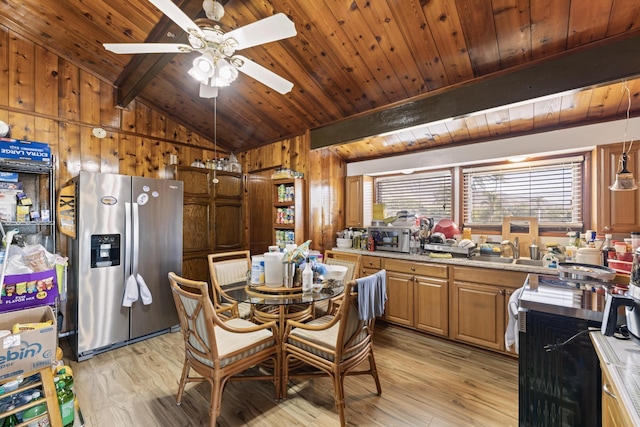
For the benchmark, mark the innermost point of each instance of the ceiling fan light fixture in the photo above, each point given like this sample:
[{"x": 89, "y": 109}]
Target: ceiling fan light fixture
[
  {"x": 225, "y": 73},
  {"x": 203, "y": 68},
  {"x": 207, "y": 91}
]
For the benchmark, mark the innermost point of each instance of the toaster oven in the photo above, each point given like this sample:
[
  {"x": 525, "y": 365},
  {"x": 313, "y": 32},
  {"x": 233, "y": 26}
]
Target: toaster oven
[{"x": 394, "y": 239}]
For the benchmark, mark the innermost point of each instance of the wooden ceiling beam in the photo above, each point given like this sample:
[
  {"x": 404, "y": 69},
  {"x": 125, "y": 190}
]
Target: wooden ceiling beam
[
  {"x": 143, "y": 68},
  {"x": 590, "y": 65}
]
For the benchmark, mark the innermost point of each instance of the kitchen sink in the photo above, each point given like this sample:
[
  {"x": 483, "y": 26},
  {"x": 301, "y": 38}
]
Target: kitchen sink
[
  {"x": 494, "y": 259},
  {"x": 527, "y": 261},
  {"x": 501, "y": 260}
]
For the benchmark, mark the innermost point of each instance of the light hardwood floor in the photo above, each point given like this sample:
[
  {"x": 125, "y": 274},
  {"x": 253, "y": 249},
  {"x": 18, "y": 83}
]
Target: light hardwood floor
[{"x": 426, "y": 381}]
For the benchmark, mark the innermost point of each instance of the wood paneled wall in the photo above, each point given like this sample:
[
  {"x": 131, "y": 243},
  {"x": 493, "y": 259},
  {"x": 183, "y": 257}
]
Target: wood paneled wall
[
  {"x": 324, "y": 171},
  {"x": 46, "y": 98}
]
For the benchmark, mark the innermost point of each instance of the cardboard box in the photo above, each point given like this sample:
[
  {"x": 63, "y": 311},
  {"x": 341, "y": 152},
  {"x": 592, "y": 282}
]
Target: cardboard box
[
  {"x": 21, "y": 291},
  {"x": 17, "y": 149},
  {"x": 31, "y": 350}
]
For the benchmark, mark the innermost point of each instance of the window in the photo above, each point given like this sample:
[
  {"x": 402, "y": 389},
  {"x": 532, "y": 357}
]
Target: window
[
  {"x": 425, "y": 194},
  {"x": 549, "y": 190}
]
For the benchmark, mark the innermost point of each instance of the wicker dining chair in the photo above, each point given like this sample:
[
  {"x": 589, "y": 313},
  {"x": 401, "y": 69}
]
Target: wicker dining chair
[
  {"x": 217, "y": 350},
  {"x": 336, "y": 344},
  {"x": 353, "y": 272},
  {"x": 226, "y": 268}
]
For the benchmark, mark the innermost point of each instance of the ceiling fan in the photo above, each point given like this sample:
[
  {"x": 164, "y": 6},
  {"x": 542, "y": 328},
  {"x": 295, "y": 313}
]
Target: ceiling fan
[{"x": 218, "y": 65}]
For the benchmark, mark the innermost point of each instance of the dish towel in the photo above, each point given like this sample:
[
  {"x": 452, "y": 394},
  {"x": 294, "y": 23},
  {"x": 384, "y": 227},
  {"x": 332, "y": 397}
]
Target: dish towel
[
  {"x": 130, "y": 292},
  {"x": 372, "y": 294},
  {"x": 512, "y": 332},
  {"x": 145, "y": 293}
]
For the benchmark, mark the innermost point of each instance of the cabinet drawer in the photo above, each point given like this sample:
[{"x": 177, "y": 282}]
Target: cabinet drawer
[
  {"x": 429, "y": 270},
  {"x": 371, "y": 262},
  {"x": 489, "y": 276}
]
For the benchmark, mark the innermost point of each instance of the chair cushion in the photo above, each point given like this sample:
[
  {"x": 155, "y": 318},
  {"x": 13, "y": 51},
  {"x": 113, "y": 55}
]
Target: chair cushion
[
  {"x": 229, "y": 342},
  {"x": 326, "y": 338}
]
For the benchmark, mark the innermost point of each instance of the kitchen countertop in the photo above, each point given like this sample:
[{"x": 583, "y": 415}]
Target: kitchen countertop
[
  {"x": 550, "y": 294},
  {"x": 460, "y": 261},
  {"x": 621, "y": 359}
]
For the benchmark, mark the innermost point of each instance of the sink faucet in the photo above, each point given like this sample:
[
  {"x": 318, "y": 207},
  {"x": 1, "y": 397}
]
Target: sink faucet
[{"x": 515, "y": 247}]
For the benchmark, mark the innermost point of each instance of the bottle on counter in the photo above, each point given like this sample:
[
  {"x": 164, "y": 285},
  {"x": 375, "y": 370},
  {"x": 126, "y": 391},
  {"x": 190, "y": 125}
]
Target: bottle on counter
[
  {"x": 608, "y": 250},
  {"x": 307, "y": 277}
]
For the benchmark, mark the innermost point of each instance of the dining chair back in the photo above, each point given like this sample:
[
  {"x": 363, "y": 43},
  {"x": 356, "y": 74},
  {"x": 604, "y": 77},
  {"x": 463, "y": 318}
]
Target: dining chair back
[
  {"x": 352, "y": 262},
  {"x": 337, "y": 344},
  {"x": 226, "y": 268},
  {"x": 217, "y": 350}
]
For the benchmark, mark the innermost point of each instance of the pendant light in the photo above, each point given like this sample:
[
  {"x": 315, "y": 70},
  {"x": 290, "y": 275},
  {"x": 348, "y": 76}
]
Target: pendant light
[
  {"x": 624, "y": 179},
  {"x": 215, "y": 139}
]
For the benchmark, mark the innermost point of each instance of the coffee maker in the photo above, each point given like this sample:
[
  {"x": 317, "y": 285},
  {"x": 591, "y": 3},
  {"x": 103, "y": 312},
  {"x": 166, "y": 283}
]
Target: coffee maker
[{"x": 631, "y": 303}]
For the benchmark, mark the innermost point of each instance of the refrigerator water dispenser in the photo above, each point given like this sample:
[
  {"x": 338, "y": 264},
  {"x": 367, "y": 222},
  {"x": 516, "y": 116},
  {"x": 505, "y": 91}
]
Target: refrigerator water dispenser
[{"x": 105, "y": 250}]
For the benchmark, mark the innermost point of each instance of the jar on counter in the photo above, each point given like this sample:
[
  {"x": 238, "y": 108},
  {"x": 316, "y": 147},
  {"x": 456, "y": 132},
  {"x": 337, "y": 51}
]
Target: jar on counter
[{"x": 589, "y": 256}]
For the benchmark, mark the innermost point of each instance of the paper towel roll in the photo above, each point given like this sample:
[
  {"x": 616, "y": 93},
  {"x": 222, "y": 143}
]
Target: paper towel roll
[{"x": 273, "y": 269}]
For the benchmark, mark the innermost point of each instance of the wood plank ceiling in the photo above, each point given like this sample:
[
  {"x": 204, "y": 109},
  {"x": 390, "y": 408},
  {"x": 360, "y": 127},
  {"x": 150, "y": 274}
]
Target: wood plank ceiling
[{"x": 352, "y": 61}]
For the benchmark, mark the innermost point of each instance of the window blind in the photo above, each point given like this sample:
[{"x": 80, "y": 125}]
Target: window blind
[
  {"x": 550, "y": 191},
  {"x": 425, "y": 194}
]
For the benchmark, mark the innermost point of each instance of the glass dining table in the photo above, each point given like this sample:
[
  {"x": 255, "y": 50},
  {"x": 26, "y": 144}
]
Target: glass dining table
[{"x": 281, "y": 303}]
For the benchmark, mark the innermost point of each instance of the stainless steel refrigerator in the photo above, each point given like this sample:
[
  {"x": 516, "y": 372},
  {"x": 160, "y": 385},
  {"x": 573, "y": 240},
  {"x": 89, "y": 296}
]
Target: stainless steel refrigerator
[{"x": 129, "y": 236}]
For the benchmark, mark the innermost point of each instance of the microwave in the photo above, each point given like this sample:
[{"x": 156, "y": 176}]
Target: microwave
[{"x": 394, "y": 239}]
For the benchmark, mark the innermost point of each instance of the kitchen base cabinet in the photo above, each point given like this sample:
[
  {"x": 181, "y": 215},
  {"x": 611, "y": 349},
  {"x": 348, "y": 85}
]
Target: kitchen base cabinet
[
  {"x": 370, "y": 265},
  {"x": 431, "y": 305},
  {"x": 417, "y": 295},
  {"x": 399, "y": 306},
  {"x": 479, "y": 299},
  {"x": 614, "y": 414}
]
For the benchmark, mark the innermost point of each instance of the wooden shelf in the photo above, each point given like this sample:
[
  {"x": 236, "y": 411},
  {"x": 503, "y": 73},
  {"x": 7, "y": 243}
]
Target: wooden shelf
[{"x": 288, "y": 199}]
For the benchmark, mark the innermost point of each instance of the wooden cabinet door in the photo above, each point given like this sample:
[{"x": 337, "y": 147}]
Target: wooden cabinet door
[
  {"x": 431, "y": 305},
  {"x": 619, "y": 211},
  {"x": 353, "y": 204},
  {"x": 229, "y": 225},
  {"x": 478, "y": 314},
  {"x": 399, "y": 307},
  {"x": 196, "y": 227},
  {"x": 359, "y": 201},
  {"x": 613, "y": 414}
]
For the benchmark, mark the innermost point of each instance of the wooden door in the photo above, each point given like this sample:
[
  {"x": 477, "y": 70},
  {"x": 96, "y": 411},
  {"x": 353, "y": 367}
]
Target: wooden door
[
  {"x": 399, "y": 307},
  {"x": 478, "y": 314},
  {"x": 353, "y": 205},
  {"x": 260, "y": 202},
  {"x": 431, "y": 305}
]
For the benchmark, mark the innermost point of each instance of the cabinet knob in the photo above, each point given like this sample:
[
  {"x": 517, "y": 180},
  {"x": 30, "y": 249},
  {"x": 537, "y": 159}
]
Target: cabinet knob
[
  {"x": 509, "y": 293},
  {"x": 413, "y": 269},
  {"x": 607, "y": 228},
  {"x": 501, "y": 291}
]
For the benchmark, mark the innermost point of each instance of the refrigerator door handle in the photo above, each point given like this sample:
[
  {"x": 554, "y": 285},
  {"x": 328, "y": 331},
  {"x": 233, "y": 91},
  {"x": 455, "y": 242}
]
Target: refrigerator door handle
[
  {"x": 127, "y": 243},
  {"x": 136, "y": 239}
]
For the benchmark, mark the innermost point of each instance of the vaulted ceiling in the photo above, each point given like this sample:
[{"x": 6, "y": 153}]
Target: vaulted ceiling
[{"x": 365, "y": 68}]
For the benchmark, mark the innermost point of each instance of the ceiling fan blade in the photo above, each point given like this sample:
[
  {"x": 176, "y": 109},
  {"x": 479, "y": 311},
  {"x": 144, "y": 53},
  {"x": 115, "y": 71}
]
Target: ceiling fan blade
[
  {"x": 133, "y": 48},
  {"x": 276, "y": 27},
  {"x": 264, "y": 76},
  {"x": 176, "y": 14}
]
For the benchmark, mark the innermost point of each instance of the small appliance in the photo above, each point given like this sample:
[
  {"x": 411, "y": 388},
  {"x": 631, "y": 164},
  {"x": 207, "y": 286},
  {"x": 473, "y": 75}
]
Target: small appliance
[{"x": 394, "y": 239}]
